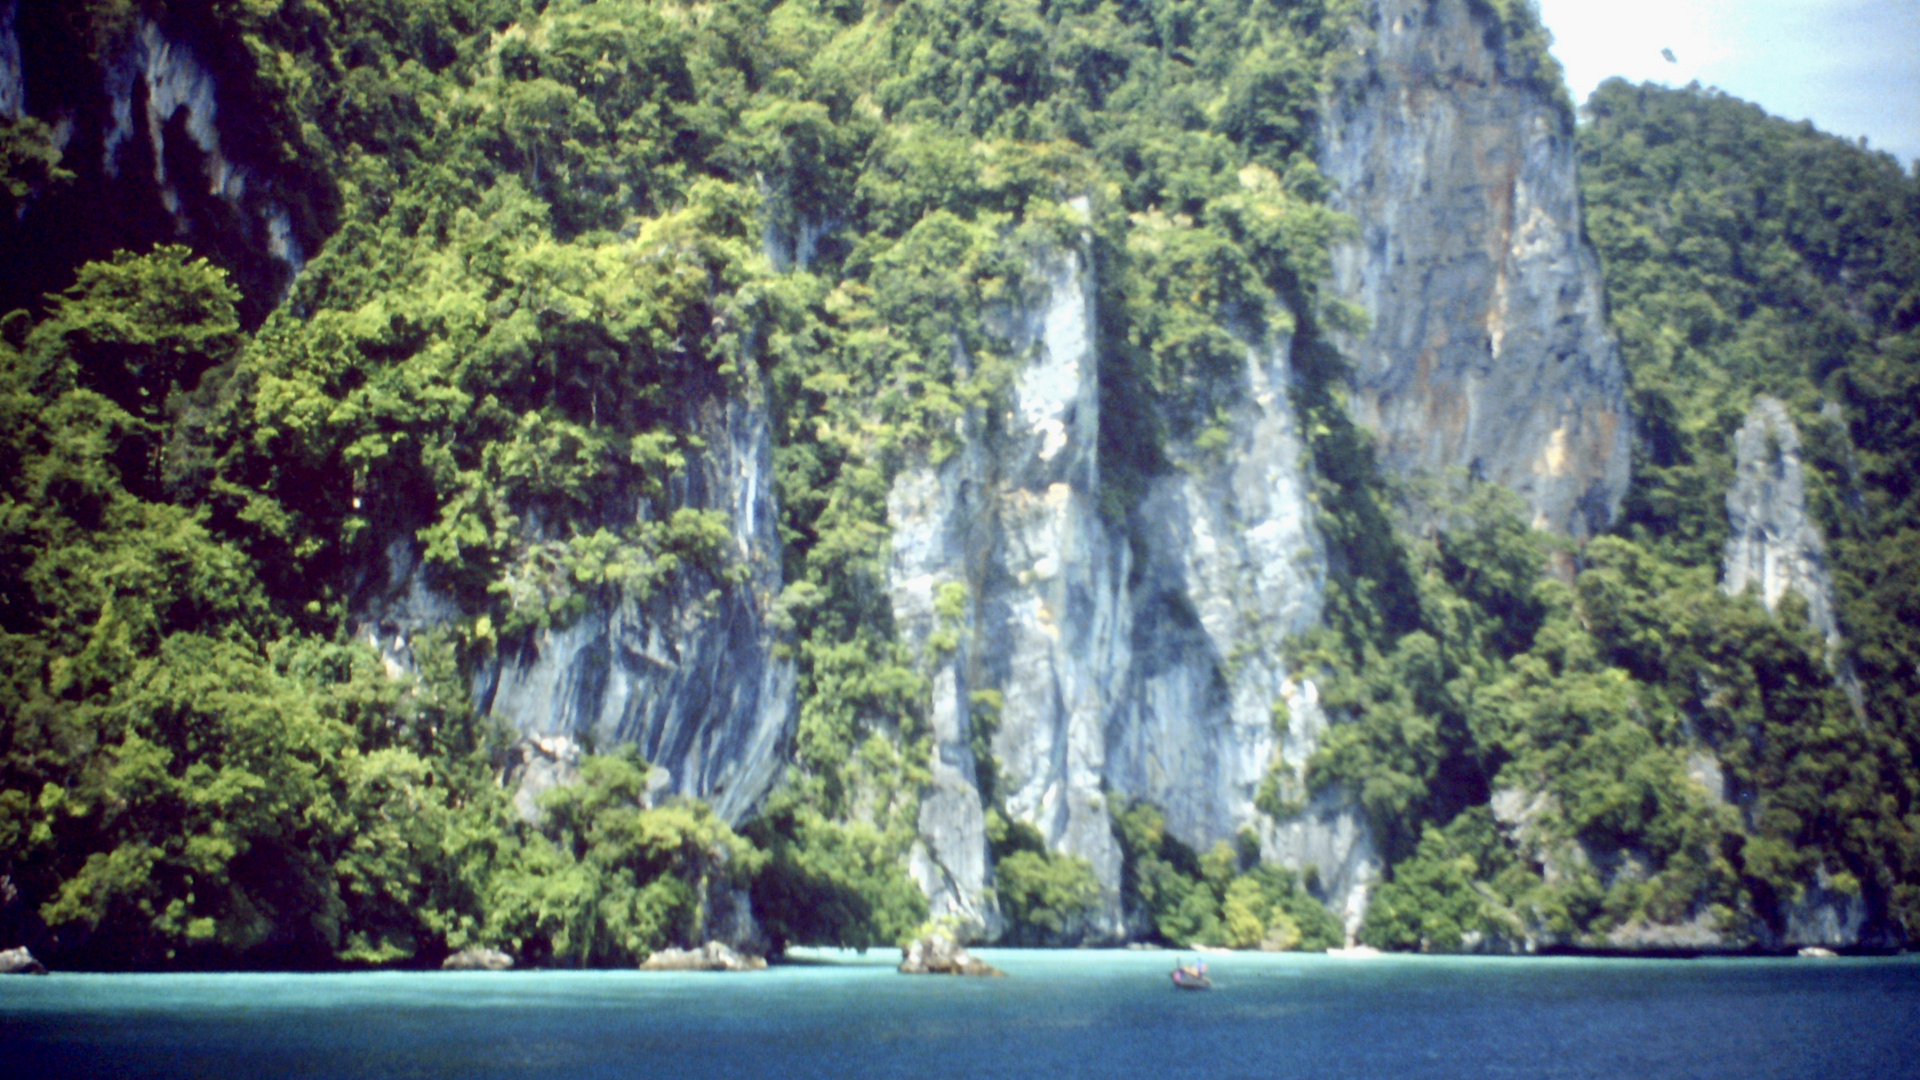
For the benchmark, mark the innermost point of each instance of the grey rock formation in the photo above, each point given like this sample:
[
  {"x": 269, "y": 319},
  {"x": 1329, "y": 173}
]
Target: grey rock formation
[
  {"x": 1233, "y": 567},
  {"x": 1329, "y": 835},
  {"x": 168, "y": 77},
  {"x": 940, "y": 953},
  {"x": 540, "y": 763},
  {"x": 477, "y": 959},
  {"x": 1015, "y": 523},
  {"x": 1828, "y": 916},
  {"x": 1154, "y": 679},
  {"x": 1487, "y": 349},
  {"x": 1049, "y": 613},
  {"x": 138, "y": 122},
  {"x": 20, "y": 962},
  {"x": 13, "y": 93},
  {"x": 687, "y": 674},
  {"x": 1145, "y": 663},
  {"x": 1775, "y": 547},
  {"x": 932, "y": 511},
  {"x": 1773, "y": 544},
  {"x": 713, "y": 956}
]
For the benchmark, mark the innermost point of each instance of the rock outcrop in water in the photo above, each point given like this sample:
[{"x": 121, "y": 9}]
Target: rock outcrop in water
[
  {"x": 20, "y": 962},
  {"x": 1488, "y": 349},
  {"x": 477, "y": 959},
  {"x": 938, "y": 953},
  {"x": 713, "y": 956}
]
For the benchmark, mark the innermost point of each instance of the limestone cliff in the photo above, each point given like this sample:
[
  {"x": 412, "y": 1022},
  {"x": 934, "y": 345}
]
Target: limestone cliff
[
  {"x": 1140, "y": 659},
  {"x": 1134, "y": 659},
  {"x": 157, "y": 152},
  {"x": 1487, "y": 348},
  {"x": 1013, "y": 520},
  {"x": 1773, "y": 543},
  {"x": 687, "y": 673},
  {"x": 1135, "y": 651},
  {"x": 1774, "y": 546}
]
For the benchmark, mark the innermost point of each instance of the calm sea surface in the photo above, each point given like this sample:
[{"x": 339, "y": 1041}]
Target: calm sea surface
[{"x": 1059, "y": 1015}]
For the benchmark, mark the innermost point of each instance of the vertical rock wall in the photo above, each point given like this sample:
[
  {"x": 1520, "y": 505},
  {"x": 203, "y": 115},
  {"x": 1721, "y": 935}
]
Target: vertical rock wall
[
  {"x": 1775, "y": 547},
  {"x": 140, "y": 126},
  {"x": 1773, "y": 543},
  {"x": 1014, "y": 520},
  {"x": 687, "y": 674},
  {"x": 13, "y": 103},
  {"x": 1134, "y": 659},
  {"x": 934, "y": 512},
  {"x": 1488, "y": 348},
  {"x": 1141, "y": 659}
]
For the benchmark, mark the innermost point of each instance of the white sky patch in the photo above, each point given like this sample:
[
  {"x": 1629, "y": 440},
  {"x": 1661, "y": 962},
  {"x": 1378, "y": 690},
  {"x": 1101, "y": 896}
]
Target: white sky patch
[{"x": 1850, "y": 66}]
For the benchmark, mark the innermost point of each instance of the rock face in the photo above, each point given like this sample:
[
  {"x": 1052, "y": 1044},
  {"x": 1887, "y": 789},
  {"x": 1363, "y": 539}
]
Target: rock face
[
  {"x": 939, "y": 954},
  {"x": 1487, "y": 349},
  {"x": 932, "y": 511},
  {"x": 687, "y": 674},
  {"x": 20, "y": 962},
  {"x": 1131, "y": 659},
  {"x": 1330, "y": 834},
  {"x": 1775, "y": 547},
  {"x": 477, "y": 959},
  {"x": 1008, "y": 532},
  {"x": 154, "y": 159},
  {"x": 713, "y": 956},
  {"x": 1773, "y": 544},
  {"x": 1051, "y": 635},
  {"x": 12, "y": 93},
  {"x": 1140, "y": 659}
]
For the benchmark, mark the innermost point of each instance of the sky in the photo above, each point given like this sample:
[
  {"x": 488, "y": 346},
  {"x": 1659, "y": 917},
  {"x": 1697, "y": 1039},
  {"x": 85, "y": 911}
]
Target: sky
[{"x": 1850, "y": 66}]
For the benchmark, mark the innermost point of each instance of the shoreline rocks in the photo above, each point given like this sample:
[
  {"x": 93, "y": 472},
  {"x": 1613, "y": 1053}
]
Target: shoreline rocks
[
  {"x": 477, "y": 959},
  {"x": 713, "y": 956},
  {"x": 20, "y": 962},
  {"x": 939, "y": 954}
]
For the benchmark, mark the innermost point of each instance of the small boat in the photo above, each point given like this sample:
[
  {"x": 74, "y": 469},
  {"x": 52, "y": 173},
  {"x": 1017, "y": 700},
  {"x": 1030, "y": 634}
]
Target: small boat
[{"x": 1191, "y": 977}]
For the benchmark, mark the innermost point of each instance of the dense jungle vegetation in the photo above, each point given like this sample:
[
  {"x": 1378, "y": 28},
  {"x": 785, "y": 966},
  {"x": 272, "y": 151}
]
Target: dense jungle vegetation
[
  {"x": 549, "y": 225},
  {"x": 1526, "y": 745}
]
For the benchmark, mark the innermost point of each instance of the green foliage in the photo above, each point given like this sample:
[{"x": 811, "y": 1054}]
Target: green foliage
[
  {"x": 606, "y": 881},
  {"x": 830, "y": 882},
  {"x": 1746, "y": 254},
  {"x": 139, "y": 329},
  {"x": 560, "y": 229},
  {"x": 1046, "y": 896},
  {"x": 1224, "y": 898},
  {"x": 204, "y": 814},
  {"x": 562, "y": 232},
  {"x": 1743, "y": 255},
  {"x": 1525, "y": 43},
  {"x": 29, "y": 162},
  {"x": 1412, "y": 754}
]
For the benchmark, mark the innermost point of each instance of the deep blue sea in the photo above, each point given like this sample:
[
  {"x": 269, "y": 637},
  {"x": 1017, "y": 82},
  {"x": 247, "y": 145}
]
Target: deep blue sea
[{"x": 1058, "y": 1015}]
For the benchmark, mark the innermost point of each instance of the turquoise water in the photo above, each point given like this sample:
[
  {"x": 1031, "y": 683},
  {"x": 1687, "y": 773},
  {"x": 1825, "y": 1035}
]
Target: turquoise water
[{"x": 1059, "y": 1015}]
